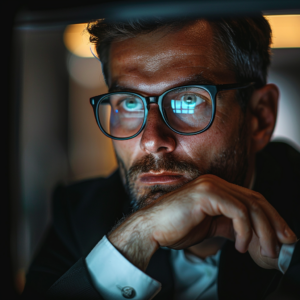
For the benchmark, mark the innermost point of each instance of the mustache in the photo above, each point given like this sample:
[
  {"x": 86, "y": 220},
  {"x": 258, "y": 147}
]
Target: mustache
[{"x": 168, "y": 163}]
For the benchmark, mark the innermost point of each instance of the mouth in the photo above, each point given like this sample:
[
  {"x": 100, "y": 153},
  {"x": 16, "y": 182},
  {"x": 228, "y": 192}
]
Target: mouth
[{"x": 152, "y": 178}]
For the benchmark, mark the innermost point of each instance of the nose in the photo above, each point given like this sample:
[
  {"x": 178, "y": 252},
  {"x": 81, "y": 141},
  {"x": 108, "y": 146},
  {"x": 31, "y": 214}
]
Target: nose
[{"x": 157, "y": 137}]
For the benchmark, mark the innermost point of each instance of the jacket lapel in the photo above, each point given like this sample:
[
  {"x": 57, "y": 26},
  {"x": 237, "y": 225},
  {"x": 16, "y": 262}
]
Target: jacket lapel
[
  {"x": 240, "y": 277},
  {"x": 103, "y": 205}
]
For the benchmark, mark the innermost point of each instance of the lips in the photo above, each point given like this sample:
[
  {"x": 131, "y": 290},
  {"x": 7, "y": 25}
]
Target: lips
[{"x": 161, "y": 178}]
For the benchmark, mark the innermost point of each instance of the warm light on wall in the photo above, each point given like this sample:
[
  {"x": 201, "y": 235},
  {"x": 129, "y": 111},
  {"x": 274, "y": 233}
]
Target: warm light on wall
[
  {"x": 77, "y": 41},
  {"x": 285, "y": 28}
]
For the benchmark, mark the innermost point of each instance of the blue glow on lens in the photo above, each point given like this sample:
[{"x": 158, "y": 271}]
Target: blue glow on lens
[
  {"x": 117, "y": 111},
  {"x": 180, "y": 107}
]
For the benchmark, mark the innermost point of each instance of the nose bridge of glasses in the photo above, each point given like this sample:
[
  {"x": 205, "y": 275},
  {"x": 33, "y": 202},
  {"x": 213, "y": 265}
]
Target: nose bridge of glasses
[{"x": 152, "y": 99}]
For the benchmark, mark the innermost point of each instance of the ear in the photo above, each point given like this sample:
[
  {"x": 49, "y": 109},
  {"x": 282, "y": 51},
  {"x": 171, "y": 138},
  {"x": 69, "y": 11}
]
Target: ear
[{"x": 262, "y": 109}]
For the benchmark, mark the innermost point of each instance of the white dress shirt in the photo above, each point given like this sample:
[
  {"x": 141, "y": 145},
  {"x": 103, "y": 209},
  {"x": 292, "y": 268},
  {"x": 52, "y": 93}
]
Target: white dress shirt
[
  {"x": 116, "y": 278},
  {"x": 193, "y": 277}
]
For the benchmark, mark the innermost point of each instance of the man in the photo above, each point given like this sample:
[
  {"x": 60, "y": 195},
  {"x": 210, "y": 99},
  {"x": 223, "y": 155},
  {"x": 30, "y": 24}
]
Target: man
[{"x": 210, "y": 208}]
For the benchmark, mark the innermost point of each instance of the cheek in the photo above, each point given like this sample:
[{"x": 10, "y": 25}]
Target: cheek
[
  {"x": 227, "y": 121},
  {"x": 209, "y": 145},
  {"x": 126, "y": 150},
  {"x": 200, "y": 148}
]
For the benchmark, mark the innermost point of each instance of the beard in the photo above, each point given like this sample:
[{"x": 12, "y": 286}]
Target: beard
[{"x": 230, "y": 164}]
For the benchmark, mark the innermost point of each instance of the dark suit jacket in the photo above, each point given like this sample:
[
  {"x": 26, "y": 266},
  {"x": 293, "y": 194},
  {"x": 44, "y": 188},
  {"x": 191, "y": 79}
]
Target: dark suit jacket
[{"x": 84, "y": 212}]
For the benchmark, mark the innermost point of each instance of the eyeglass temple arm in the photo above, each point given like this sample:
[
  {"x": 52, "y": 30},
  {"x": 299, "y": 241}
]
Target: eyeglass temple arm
[{"x": 234, "y": 86}]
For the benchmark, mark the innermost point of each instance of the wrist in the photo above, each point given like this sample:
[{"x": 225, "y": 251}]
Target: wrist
[{"x": 133, "y": 239}]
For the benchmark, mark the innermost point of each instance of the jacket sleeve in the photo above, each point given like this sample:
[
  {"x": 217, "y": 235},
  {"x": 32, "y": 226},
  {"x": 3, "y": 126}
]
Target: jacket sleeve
[
  {"x": 59, "y": 270},
  {"x": 289, "y": 285},
  {"x": 74, "y": 284}
]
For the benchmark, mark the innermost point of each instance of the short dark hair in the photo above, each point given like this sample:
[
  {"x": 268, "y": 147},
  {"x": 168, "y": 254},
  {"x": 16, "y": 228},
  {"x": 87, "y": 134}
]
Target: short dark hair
[{"x": 245, "y": 41}]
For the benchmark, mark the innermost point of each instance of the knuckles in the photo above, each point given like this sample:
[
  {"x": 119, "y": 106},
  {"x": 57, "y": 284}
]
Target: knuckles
[
  {"x": 256, "y": 196},
  {"x": 208, "y": 183},
  {"x": 243, "y": 211},
  {"x": 211, "y": 184},
  {"x": 254, "y": 203},
  {"x": 255, "y": 200}
]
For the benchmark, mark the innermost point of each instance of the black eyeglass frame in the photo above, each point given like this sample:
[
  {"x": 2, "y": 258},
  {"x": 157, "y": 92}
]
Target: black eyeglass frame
[{"x": 213, "y": 90}]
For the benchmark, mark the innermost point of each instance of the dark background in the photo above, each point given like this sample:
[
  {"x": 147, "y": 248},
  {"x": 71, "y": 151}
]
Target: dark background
[{"x": 41, "y": 133}]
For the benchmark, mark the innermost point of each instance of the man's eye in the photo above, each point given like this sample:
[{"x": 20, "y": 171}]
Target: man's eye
[
  {"x": 132, "y": 104},
  {"x": 191, "y": 100}
]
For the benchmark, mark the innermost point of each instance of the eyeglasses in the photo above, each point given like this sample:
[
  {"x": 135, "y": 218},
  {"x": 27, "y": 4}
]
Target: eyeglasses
[{"x": 187, "y": 110}]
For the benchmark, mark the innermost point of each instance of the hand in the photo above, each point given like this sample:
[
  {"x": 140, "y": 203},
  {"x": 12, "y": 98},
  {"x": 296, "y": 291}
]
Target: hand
[{"x": 205, "y": 207}]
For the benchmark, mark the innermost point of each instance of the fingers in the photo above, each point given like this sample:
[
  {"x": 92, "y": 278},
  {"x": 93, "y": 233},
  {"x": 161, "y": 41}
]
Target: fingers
[
  {"x": 263, "y": 261},
  {"x": 221, "y": 227},
  {"x": 248, "y": 209},
  {"x": 270, "y": 227},
  {"x": 283, "y": 232},
  {"x": 236, "y": 211},
  {"x": 263, "y": 229}
]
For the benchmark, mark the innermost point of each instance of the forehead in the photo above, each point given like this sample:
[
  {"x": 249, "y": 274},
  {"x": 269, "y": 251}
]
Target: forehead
[{"x": 164, "y": 56}]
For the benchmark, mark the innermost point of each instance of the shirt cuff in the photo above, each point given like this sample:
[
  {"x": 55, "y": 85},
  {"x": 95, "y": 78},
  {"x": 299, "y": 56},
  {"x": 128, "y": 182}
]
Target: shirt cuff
[
  {"x": 285, "y": 256},
  {"x": 115, "y": 277}
]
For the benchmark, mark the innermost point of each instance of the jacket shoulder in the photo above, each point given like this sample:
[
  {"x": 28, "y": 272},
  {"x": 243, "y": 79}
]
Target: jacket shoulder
[
  {"x": 85, "y": 211},
  {"x": 278, "y": 177},
  {"x": 80, "y": 193},
  {"x": 278, "y": 162},
  {"x": 286, "y": 154}
]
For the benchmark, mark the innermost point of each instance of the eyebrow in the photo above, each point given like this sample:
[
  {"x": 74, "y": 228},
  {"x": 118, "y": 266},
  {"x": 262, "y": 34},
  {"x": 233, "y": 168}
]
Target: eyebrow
[
  {"x": 116, "y": 87},
  {"x": 194, "y": 79},
  {"x": 197, "y": 79}
]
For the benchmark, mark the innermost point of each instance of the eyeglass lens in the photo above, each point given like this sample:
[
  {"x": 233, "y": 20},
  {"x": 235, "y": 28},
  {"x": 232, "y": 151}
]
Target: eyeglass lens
[{"x": 187, "y": 110}]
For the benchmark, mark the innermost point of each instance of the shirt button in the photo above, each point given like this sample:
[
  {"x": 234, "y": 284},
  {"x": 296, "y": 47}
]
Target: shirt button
[{"x": 128, "y": 292}]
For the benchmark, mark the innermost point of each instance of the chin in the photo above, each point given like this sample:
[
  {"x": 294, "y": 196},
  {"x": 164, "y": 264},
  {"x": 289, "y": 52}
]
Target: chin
[{"x": 148, "y": 195}]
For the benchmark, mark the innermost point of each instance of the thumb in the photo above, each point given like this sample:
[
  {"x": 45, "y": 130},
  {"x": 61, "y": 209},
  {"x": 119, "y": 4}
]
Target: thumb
[{"x": 222, "y": 226}]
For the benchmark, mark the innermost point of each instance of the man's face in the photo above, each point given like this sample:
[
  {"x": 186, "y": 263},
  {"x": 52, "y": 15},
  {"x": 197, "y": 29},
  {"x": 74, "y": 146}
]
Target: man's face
[{"x": 158, "y": 160}]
